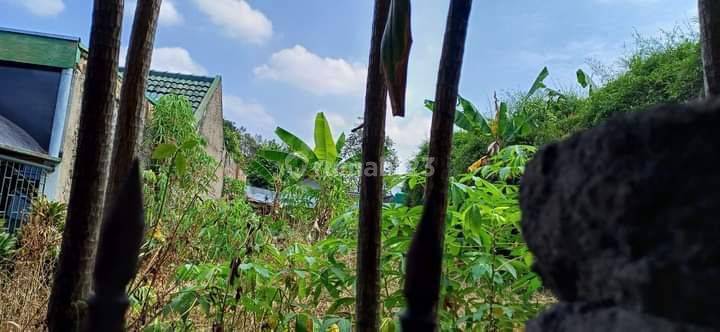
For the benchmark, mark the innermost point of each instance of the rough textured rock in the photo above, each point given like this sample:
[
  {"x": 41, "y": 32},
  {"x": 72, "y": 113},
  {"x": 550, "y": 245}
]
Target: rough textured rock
[
  {"x": 627, "y": 215},
  {"x": 585, "y": 317}
]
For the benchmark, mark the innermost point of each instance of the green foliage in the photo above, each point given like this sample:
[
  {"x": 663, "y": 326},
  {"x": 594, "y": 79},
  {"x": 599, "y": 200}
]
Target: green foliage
[
  {"x": 352, "y": 151},
  {"x": 7, "y": 248},
  {"x": 240, "y": 145},
  {"x": 233, "y": 188},
  {"x": 327, "y": 149},
  {"x": 245, "y": 271},
  {"x": 660, "y": 71},
  {"x": 259, "y": 170}
]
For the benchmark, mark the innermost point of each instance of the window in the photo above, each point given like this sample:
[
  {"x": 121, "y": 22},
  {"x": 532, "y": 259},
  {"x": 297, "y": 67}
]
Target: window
[{"x": 28, "y": 97}]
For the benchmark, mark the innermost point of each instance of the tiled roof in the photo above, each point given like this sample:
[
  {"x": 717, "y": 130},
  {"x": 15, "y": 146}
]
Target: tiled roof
[{"x": 194, "y": 88}]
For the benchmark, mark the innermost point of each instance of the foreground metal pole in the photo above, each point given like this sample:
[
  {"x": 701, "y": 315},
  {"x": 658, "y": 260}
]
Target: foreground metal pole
[
  {"x": 371, "y": 183},
  {"x": 117, "y": 257},
  {"x": 424, "y": 261},
  {"x": 709, "y": 16}
]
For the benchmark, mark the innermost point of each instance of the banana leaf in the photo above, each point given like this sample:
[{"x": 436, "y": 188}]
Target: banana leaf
[{"x": 395, "y": 53}]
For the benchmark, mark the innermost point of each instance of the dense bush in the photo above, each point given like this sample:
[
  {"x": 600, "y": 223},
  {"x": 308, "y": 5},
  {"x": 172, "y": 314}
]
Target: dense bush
[{"x": 659, "y": 71}]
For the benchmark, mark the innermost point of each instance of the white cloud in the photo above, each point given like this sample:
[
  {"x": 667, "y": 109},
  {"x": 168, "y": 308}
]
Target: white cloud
[
  {"x": 308, "y": 71},
  {"x": 42, "y": 7},
  {"x": 250, "y": 115},
  {"x": 177, "y": 60},
  {"x": 171, "y": 59},
  {"x": 169, "y": 14},
  {"x": 408, "y": 133},
  {"x": 338, "y": 122},
  {"x": 238, "y": 19}
]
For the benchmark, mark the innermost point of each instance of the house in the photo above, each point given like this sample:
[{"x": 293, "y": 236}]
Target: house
[{"x": 41, "y": 87}]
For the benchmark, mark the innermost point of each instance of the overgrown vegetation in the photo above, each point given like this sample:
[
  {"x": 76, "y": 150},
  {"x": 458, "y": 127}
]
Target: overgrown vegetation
[{"x": 230, "y": 264}]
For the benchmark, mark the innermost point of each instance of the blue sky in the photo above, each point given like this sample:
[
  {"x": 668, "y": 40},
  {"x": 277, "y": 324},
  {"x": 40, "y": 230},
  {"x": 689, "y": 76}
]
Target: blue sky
[{"x": 282, "y": 61}]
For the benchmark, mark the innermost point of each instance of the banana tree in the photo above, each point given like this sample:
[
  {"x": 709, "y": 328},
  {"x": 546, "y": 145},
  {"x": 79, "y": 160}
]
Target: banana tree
[
  {"x": 505, "y": 128},
  {"x": 303, "y": 159},
  {"x": 301, "y": 162}
]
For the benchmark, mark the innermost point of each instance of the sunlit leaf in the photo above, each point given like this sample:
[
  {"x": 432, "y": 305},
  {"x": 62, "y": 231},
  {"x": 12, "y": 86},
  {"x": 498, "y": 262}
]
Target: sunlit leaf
[
  {"x": 181, "y": 164},
  {"x": 295, "y": 144},
  {"x": 539, "y": 82},
  {"x": 164, "y": 151},
  {"x": 387, "y": 325},
  {"x": 325, "y": 148},
  {"x": 261, "y": 170},
  {"x": 340, "y": 144}
]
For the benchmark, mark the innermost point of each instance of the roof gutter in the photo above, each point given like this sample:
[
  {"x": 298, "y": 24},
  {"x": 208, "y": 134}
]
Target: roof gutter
[{"x": 61, "y": 108}]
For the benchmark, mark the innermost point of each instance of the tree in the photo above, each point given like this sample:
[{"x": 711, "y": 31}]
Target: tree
[
  {"x": 506, "y": 127},
  {"x": 353, "y": 151},
  {"x": 424, "y": 260},
  {"x": 709, "y": 11},
  {"x": 240, "y": 144},
  {"x": 72, "y": 281},
  {"x": 300, "y": 155}
]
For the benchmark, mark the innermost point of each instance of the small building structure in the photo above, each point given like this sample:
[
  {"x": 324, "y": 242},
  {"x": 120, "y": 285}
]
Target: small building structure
[{"x": 41, "y": 87}]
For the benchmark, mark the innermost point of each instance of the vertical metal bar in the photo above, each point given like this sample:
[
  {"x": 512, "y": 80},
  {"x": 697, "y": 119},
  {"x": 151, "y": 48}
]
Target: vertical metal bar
[
  {"x": 371, "y": 183},
  {"x": 117, "y": 257},
  {"x": 709, "y": 16},
  {"x": 424, "y": 262}
]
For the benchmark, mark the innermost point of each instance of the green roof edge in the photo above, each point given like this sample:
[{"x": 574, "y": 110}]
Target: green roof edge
[
  {"x": 200, "y": 112},
  {"x": 22, "y": 47}
]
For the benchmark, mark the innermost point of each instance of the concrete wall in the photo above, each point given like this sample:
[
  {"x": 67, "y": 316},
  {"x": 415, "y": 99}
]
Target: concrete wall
[
  {"x": 233, "y": 170},
  {"x": 64, "y": 171},
  {"x": 211, "y": 128},
  {"x": 61, "y": 179}
]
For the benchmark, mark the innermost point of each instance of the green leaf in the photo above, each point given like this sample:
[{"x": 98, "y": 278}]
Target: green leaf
[
  {"x": 430, "y": 105},
  {"x": 345, "y": 301},
  {"x": 585, "y": 80},
  {"x": 539, "y": 82},
  {"x": 261, "y": 170},
  {"x": 340, "y": 144},
  {"x": 473, "y": 219},
  {"x": 387, "y": 325},
  {"x": 164, "y": 151},
  {"x": 189, "y": 144},
  {"x": 395, "y": 53},
  {"x": 295, "y": 144},
  {"x": 184, "y": 301},
  {"x": 181, "y": 164},
  {"x": 325, "y": 148},
  {"x": 506, "y": 126},
  {"x": 470, "y": 119},
  {"x": 303, "y": 323},
  {"x": 582, "y": 78},
  {"x": 283, "y": 158}
]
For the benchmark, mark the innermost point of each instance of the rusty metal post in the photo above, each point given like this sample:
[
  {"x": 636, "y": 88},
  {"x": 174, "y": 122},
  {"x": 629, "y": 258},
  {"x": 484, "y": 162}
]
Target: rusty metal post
[
  {"x": 424, "y": 261},
  {"x": 117, "y": 258}
]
